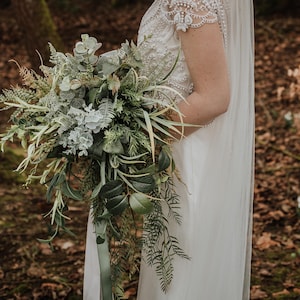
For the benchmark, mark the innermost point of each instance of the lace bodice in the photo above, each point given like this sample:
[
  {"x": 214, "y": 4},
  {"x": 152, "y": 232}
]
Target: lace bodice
[{"x": 159, "y": 41}]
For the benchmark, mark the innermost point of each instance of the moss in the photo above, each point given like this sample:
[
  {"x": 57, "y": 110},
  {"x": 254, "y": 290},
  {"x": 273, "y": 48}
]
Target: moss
[
  {"x": 284, "y": 269},
  {"x": 21, "y": 288},
  {"x": 10, "y": 160},
  {"x": 47, "y": 26},
  {"x": 255, "y": 280}
]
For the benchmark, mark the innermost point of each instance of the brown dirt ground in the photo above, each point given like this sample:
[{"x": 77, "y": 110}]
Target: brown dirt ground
[{"x": 29, "y": 270}]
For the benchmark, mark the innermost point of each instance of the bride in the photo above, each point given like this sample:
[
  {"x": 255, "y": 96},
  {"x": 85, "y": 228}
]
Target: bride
[{"x": 215, "y": 75}]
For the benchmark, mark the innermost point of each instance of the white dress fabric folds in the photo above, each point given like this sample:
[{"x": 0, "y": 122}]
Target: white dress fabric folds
[{"x": 215, "y": 163}]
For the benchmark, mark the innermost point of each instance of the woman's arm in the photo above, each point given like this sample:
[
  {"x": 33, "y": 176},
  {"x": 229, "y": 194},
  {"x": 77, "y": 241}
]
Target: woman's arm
[{"x": 205, "y": 57}]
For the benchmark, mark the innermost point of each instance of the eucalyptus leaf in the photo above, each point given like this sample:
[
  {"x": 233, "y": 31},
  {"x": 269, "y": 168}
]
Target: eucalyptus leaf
[
  {"x": 108, "y": 65},
  {"x": 140, "y": 203}
]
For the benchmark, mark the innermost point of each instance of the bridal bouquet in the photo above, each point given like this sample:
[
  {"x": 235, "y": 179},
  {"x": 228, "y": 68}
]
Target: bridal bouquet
[{"x": 98, "y": 130}]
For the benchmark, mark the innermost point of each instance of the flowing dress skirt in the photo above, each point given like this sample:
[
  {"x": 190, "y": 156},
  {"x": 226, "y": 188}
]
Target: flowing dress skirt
[{"x": 215, "y": 232}]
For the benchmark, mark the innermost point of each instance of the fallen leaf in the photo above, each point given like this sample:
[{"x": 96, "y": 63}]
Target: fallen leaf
[
  {"x": 35, "y": 270},
  {"x": 289, "y": 244},
  {"x": 277, "y": 215},
  {"x": 257, "y": 293},
  {"x": 282, "y": 293},
  {"x": 265, "y": 272},
  {"x": 45, "y": 249},
  {"x": 296, "y": 290},
  {"x": 1, "y": 274},
  {"x": 265, "y": 241}
]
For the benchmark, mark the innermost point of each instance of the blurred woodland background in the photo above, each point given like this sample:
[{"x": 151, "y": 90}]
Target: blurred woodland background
[{"x": 30, "y": 270}]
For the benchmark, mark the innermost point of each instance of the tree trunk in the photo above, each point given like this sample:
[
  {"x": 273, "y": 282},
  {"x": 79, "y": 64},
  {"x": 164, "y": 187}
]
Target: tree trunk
[{"x": 35, "y": 21}]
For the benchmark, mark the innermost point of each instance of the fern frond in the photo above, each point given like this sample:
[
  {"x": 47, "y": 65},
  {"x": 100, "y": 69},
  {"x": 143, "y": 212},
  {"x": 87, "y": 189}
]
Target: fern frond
[
  {"x": 159, "y": 246},
  {"x": 164, "y": 269},
  {"x": 34, "y": 81},
  {"x": 11, "y": 96},
  {"x": 174, "y": 245},
  {"x": 106, "y": 108},
  {"x": 172, "y": 200}
]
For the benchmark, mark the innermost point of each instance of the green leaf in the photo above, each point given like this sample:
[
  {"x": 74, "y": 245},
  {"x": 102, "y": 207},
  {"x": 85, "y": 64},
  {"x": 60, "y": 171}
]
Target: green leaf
[
  {"x": 116, "y": 205},
  {"x": 56, "y": 180},
  {"x": 150, "y": 170},
  {"x": 150, "y": 132},
  {"x": 129, "y": 80},
  {"x": 96, "y": 190},
  {"x": 56, "y": 152},
  {"x": 144, "y": 184},
  {"x": 164, "y": 161},
  {"x": 70, "y": 192},
  {"x": 93, "y": 95},
  {"x": 111, "y": 189},
  {"x": 96, "y": 150},
  {"x": 100, "y": 239},
  {"x": 140, "y": 203},
  {"x": 59, "y": 219}
]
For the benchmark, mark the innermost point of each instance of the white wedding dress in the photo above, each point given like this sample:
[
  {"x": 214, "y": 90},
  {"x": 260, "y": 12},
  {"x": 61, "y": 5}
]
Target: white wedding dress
[{"x": 215, "y": 162}]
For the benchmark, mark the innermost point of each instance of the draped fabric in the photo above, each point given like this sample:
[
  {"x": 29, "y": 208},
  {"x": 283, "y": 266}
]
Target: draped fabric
[{"x": 215, "y": 163}]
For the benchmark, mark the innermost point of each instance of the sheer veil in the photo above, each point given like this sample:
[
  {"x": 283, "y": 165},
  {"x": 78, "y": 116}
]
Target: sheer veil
[
  {"x": 240, "y": 55},
  {"x": 217, "y": 163}
]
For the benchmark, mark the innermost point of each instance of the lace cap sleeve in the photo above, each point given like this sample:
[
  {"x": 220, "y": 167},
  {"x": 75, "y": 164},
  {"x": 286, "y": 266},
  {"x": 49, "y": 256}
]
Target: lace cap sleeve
[{"x": 190, "y": 13}]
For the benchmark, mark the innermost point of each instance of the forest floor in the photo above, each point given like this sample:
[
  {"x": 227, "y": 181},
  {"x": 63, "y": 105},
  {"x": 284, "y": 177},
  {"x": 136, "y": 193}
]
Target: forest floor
[{"x": 30, "y": 270}]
